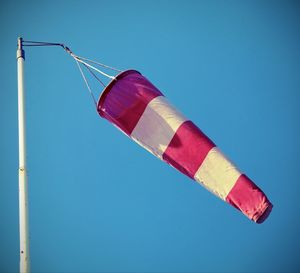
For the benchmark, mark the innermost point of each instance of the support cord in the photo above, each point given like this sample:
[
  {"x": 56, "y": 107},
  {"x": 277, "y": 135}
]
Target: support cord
[
  {"x": 91, "y": 71},
  {"x": 86, "y": 82},
  {"x": 101, "y": 64},
  {"x": 80, "y": 60}
]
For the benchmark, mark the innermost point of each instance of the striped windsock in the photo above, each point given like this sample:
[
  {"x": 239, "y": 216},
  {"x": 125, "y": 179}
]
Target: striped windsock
[{"x": 142, "y": 112}]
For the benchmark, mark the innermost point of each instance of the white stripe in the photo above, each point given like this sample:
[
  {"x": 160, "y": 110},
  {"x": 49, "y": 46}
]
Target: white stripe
[
  {"x": 157, "y": 126},
  {"x": 217, "y": 173}
]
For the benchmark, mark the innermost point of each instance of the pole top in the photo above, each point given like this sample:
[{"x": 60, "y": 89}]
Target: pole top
[
  {"x": 20, "y": 51},
  {"x": 20, "y": 43}
]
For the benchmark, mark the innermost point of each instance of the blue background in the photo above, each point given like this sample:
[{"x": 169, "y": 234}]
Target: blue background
[{"x": 98, "y": 201}]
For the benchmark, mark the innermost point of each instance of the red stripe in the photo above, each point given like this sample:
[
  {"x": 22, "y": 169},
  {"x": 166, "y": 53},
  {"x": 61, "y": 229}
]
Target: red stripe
[
  {"x": 187, "y": 149},
  {"x": 124, "y": 100},
  {"x": 249, "y": 199}
]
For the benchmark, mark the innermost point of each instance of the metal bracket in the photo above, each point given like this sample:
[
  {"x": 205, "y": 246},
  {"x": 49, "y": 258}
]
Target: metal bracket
[{"x": 20, "y": 51}]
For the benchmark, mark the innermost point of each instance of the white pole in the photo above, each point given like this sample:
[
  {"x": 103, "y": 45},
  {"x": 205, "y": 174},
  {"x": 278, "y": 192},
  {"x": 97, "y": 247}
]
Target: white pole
[{"x": 23, "y": 187}]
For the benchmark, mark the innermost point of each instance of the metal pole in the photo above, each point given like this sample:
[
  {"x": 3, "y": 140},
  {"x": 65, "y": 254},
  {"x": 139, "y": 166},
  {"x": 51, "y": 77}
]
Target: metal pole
[{"x": 23, "y": 187}]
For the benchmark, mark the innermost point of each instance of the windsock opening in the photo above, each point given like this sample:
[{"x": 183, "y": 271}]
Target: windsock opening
[
  {"x": 124, "y": 106},
  {"x": 105, "y": 91}
]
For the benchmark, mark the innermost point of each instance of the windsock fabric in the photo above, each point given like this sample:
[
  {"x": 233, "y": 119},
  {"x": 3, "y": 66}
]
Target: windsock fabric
[{"x": 142, "y": 112}]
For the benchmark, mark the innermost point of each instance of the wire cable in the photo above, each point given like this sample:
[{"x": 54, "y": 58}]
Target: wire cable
[
  {"x": 91, "y": 71},
  {"x": 101, "y": 64},
  {"x": 80, "y": 61},
  {"x": 86, "y": 82},
  {"x": 92, "y": 67}
]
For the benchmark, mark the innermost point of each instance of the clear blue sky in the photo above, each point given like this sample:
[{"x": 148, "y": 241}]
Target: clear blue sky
[{"x": 98, "y": 201}]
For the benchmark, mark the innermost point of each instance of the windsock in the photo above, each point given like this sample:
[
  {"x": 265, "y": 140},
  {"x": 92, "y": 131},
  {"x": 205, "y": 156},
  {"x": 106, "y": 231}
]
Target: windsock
[{"x": 140, "y": 110}]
